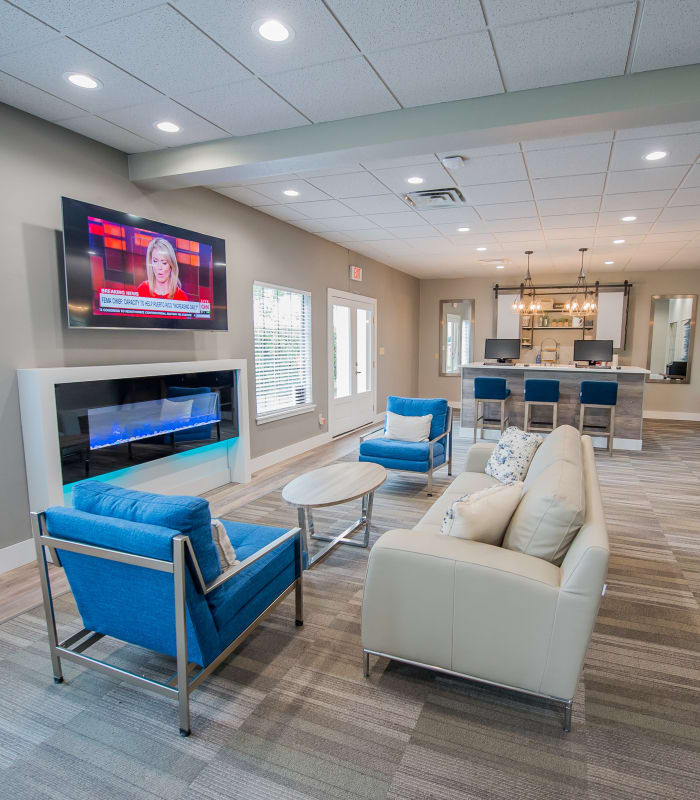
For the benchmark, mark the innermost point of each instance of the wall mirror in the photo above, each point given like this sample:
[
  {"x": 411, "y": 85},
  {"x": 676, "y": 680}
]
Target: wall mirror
[
  {"x": 456, "y": 335},
  {"x": 671, "y": 333}
]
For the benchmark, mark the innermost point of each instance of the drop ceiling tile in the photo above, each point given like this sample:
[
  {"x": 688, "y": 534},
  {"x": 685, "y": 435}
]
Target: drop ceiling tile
[
  {"x": 451, "y": 229},
  {"x": 336, "y": 90},
  {"x": 317, "y": 36},
  {"x": 400, "y": 161},
  {"x": 243, "y": 108},
  {"x": 324, "y": 208},
  {"x": 354, "y": 184},
  {"x": 71, "y": 15},
  {"x": 568, "y": 141},
  {"x": 506, "y": 192},
  {"x": 467, "y": 244},
  {"x": 652, "y": 131},
  {"x": 366, "y": 235},
  {"x": 506, "y": 12},
  {"x": 681, "y": 226},
  {"x": 581, "y": 46},
  {"x": 668, "y": 35},
  {"x": 355, "y": 223},
  {"x": 693, "y": 178},
  {"x": 469, "y": 152},
  {"x": 569, "y": 221},
  {"x": 245, "y": 195},
  {"x": 275, "y": 190},
  {"x": 311, "y": 225},
  {"x": 380, "y": 204},
  {"x": 606, "y": 241},
  {"x": 569, "y": 186},
  {"x": 671, "y": 236},
  {"x": 636, "y": 200},
  {"x": 581, "y": 235},
  {"x": 434, "y": 177},
  {"x": 19, "y": 30},
  {"x": 323, "y": 172},
  {"x": 107, "y": 133},
  {"x": 507, "y": 210},
  {"x": 463, "y": 216},
  {"x": 564, "y": 161},
  {"x": 687, "y": 197},
  {"x": 414, "y": 231},
  {"x": 623, "y": 230},
  {"x": 287, "y": 213},
  {"x": 141, "y": 120},
  {"x": 34, "y": 101},
  {"x": 491, "y": 169},
  {"x": 680, "y": 214},
  {"x": 519, "y": 236},
  {"x": 379, "y": 24},
  {"x": 439, "y": 71},
  {"x": 569, "y": 205},
  {"x": 44, "y": 66},
  {"x": 519, "y": 224},
  {"x": 164, "y": 50},
  {"x": 644, "y": 180},
  {"x": 396, "y": 220},
  {"x": 614, "y": 217},
  {"x": 630, "y": 154}
]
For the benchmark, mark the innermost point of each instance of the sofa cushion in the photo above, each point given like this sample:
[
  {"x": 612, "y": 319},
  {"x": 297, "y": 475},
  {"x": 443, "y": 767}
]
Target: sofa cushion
[
  {"x": 403, "y": 428},
  {"x": 550, "y": 513},
  {"x": 563, "y": 443},
  {"x": 511, "y": 457},
  {"x": 418, "y": 407},
  {"x": 484, "y": 515},
  {"x": 187, "y": 515}
]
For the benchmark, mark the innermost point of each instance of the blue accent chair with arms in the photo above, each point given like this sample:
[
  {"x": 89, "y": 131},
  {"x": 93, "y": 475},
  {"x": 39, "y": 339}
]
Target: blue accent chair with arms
[
  {"x": 423, "y": 457},
  {"x": 143, "y": 568}
]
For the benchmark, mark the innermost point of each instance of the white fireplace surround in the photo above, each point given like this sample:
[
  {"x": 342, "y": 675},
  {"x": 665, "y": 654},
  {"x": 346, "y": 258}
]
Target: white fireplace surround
[{"x": 199, "y": 471}]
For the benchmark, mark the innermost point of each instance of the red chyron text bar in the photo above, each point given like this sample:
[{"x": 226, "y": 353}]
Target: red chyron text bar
[{"x": 163, "y": 305}]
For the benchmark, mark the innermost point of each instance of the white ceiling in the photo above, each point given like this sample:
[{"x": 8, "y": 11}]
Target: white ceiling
[{"x": 199, "y": 64}]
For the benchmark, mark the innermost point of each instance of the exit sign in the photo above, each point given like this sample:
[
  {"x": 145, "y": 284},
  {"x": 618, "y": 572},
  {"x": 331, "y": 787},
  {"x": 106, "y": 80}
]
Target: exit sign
[{"x": 355, "y": 273}]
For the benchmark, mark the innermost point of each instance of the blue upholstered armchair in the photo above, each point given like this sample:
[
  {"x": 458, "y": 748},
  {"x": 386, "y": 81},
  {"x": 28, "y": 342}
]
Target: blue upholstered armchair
[
  {"x": 143, "y": 568},
  {"x": 413, "y": 456}
]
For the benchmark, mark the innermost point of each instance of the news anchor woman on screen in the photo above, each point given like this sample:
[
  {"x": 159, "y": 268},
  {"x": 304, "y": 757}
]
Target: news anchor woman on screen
[{"x": 162, "y": 271}]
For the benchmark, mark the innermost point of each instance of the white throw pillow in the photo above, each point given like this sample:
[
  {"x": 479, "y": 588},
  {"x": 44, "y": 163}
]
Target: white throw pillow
[
  {"x": 511, "y": 457},
  {"x": 407, "y": 429},
  {"x": 483, "y": 516},
  {"x": 227, "y": 555}
]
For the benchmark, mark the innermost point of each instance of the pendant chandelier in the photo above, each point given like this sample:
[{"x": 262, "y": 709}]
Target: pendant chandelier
[
  {"x": 584, "y": 300},
  {"x": 527, "y": 301}
]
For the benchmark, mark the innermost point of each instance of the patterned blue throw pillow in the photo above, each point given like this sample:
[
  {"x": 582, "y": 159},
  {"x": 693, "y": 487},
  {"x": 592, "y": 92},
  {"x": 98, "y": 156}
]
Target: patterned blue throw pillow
[{"x": 511, "y": 457}]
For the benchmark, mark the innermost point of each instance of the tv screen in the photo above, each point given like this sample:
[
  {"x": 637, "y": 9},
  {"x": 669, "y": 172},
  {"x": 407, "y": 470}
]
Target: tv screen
[
  {"x": 593, "y": 350},
  {"x": 124, "y": 271},
  {"x": 502, "y": 348}
]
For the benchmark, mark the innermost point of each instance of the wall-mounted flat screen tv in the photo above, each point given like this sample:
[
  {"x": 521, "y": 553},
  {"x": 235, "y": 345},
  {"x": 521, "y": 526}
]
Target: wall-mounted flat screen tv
[{"x": 125, "y": 271}]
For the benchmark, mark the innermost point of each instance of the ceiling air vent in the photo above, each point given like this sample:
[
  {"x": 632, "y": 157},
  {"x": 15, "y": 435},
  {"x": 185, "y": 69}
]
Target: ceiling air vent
[{"x": 436, "y": 198}]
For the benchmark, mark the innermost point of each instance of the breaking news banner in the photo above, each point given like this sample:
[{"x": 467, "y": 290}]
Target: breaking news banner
[{"x": 130, "y": 303}]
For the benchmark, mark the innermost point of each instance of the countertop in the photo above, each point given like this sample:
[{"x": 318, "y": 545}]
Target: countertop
[{"x": 559, "y": 368}]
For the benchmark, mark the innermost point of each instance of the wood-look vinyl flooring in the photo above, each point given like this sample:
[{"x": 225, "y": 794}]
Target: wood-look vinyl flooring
[{"x": 290, "y": 717}]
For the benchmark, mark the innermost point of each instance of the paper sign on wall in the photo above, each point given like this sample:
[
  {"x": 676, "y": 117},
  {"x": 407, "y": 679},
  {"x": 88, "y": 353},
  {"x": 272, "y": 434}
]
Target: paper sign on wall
[{"x": 355, "y": 273}]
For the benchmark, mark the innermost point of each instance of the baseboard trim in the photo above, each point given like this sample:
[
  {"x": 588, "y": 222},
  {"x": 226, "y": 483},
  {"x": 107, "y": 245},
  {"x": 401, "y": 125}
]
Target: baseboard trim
[
  {"x": 687, "y": 416},
  {"x": 291, "y": 450},
  {"x": 17, "y": 555}
]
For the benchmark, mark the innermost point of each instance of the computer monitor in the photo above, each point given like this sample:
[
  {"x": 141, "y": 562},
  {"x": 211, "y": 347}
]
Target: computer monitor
[
  {"x": 593, "y": 350},
  {"x": 502, "y": 349}
]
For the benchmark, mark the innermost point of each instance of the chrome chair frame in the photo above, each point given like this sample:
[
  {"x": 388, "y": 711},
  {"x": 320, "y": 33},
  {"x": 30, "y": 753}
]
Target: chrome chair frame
[
  {"x": 447, "y": 433},
  {"x": 187, "y": 676},
  {"x": 505, "y": 414},
  {"x": 609, "y": 432}
]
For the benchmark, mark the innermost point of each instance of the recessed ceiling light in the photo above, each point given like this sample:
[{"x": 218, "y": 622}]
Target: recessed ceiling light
[
  {"x": 291, "y": 192},
  {"x": 82, "y": 80},
  {"x": 273, "y": 30},
  {"x": 462, "y": 230},
  {"x": 609, "y": 262},
  {"x": 167, "y": 127},
  {"x": 618, "y": 241},
  {"x": 655, "y": 155},
  {"x": 414, "y": 179},
  {"x": 500, "y": 266},
  {"x": 628, "y": 219},
  {"x": 481, "y": 249}
]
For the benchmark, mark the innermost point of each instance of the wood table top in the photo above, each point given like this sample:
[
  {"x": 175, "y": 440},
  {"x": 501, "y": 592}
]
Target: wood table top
[{"x": 334, "y": 484}]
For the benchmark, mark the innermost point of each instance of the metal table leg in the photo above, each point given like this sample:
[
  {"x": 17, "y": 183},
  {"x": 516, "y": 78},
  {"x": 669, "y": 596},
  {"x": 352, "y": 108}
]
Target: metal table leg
[{"x": 306, "y": 523}]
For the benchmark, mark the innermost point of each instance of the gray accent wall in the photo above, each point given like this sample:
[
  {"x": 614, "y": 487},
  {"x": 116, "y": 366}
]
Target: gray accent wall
[{"x": 39, "y": 162}]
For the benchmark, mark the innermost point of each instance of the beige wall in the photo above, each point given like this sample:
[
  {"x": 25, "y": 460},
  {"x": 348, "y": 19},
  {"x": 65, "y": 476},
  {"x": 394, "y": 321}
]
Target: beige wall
[
  {"x": 39, "y": 162},
  {"x": 658, "y": 397}
]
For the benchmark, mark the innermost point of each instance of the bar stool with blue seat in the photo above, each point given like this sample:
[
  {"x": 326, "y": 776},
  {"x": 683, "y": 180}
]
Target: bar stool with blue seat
[
  {"x": 541, "y": 392},
  {"x": 599, "y": 394},
  {"x": 490, "y": 390}
]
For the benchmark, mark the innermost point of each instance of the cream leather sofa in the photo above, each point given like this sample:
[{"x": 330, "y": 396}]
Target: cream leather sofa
[{"x": 507, "y": 618}]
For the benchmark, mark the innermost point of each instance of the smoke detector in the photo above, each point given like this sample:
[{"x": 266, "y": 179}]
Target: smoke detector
[
  {"x": 436, "y": 198},
  {"x": 453, "y": 162}
]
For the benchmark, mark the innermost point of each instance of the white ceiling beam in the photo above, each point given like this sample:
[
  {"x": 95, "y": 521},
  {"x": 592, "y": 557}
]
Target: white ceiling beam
[{"x": 629, "y": 101}]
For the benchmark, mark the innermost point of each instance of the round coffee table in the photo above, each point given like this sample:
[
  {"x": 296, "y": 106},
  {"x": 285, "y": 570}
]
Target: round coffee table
[{"x": 330, "y": 486}]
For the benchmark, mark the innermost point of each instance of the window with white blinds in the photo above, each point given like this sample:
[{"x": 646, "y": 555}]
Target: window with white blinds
[{"x": 282, "y": 333}]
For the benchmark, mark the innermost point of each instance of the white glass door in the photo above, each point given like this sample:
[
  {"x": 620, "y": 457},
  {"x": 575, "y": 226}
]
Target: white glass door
[{"x": 351, "y": 357}]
